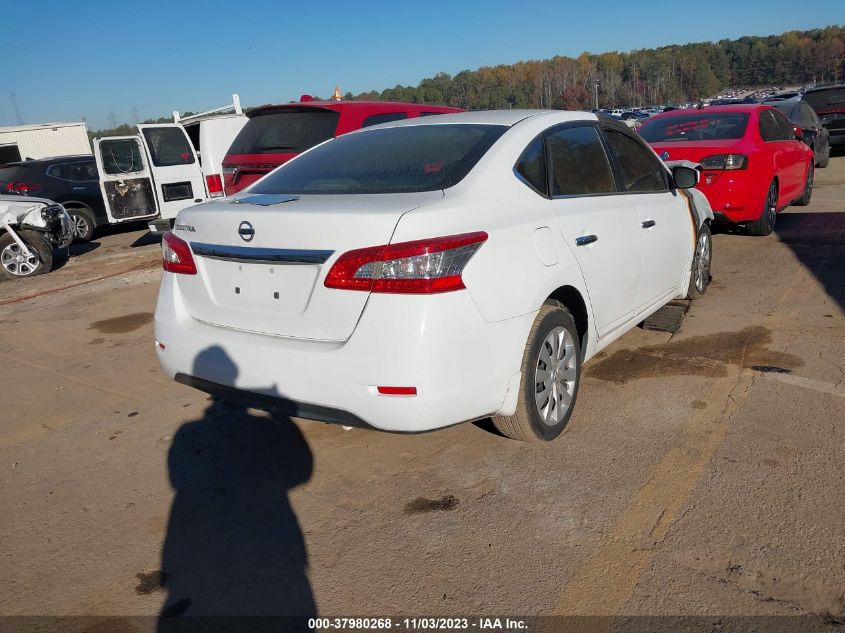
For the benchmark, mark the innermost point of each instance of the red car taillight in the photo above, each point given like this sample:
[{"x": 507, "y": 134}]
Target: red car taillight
[
  {"x": 23, "y": 188},
  {"x": 214, "y": 183},
  {"x": 419, "y": 267},
  {"x": 725, "y": 161},
  {"x": 176, "y": 255}
]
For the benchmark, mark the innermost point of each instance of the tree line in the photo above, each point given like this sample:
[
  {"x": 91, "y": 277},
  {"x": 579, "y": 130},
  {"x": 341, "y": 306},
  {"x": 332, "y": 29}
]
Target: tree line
[
  {"x": 669, "y": 74},
  {"x": 649, "y": 76}
]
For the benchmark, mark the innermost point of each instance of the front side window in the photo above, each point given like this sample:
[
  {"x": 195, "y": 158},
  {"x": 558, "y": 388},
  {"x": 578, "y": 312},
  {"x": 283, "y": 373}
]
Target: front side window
[
  {"x": 168, "y": 146},
  {"x": 769, "y": 130},
  {"x": 641, "y": 169},
  {"x": 531, "y": 167},
  {"x": 785, "y": 129},
  {"x": 390, "y": 160},
  {"x": 579, "y": 165},
  {"x": 386, "y": 117}
]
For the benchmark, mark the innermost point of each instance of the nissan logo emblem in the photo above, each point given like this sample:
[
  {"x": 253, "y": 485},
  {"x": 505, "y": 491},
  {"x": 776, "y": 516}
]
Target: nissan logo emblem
[{"x": 246, "y": 231}]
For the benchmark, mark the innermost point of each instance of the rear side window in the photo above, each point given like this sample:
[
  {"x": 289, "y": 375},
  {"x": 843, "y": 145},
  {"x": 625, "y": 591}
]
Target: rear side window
[
  {"x": 579, "y": 165},
  {"x": 286, "y": 131},
  {"x": 641, "y": 169},
  {"x": 769, "y": 130},
  {"x": 392, "y": 160},
  {"x": 74, "y": 172},
  {"x": 168, "y": 146},
  {"x": 531, "y": 166},
  {"x": 386, "y": 117}
]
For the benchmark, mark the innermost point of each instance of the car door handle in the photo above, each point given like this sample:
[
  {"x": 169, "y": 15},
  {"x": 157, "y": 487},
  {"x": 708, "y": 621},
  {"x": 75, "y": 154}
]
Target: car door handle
[
  {"x": 647, "y": 224},
  {"x": 585, "y": 239}
]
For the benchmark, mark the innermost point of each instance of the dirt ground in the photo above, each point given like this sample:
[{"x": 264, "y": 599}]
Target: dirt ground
[{"x": 702, "y": 473}]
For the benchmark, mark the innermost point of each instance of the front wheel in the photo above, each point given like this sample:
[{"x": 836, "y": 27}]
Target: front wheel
[
  {"x": 765, "y": 224},
  {"x": 551, "y": 373},
  {"x": 701, "y": 262},
  {"x": 15, "y": 263}
]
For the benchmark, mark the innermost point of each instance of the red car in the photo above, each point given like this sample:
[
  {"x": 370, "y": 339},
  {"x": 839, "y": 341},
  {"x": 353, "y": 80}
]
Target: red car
[
  {"x": 754, "y": 163},
  {"x": 275, "y": 134}
]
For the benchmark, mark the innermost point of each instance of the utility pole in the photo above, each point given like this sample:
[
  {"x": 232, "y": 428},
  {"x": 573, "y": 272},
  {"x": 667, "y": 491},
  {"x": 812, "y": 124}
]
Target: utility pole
[{"x": 15, "y": 107}]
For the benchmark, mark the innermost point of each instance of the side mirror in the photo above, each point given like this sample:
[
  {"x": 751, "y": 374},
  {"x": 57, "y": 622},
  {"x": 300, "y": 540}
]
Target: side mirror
[
  {"x": 685, "y": 177},
  {"x": 799, "y": 133}
]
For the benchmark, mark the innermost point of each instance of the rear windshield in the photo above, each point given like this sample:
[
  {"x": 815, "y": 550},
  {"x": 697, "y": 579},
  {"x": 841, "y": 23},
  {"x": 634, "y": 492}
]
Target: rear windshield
[
  {"x": 284, "y": 132},
  {"x": 13, "y": 173},
  {"x": 823, "y": 101},
  {"x": 392, "y": 160},
  {"x": 701, "y": 126}
]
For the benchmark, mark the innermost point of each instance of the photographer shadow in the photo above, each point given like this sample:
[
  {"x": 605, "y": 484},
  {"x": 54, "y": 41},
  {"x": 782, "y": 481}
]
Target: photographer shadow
[{"x": 234, "y": 550}]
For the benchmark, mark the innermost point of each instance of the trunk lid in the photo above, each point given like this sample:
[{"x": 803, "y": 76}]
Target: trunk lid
[{"x": 260, "y": 267}]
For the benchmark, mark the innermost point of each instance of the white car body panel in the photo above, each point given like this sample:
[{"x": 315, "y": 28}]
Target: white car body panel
[{"x": 462, "y": 350}]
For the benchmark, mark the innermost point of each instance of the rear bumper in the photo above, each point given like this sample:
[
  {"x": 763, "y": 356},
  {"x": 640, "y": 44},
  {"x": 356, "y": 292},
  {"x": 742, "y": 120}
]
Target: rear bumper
[{"x": 462, "y": 367}]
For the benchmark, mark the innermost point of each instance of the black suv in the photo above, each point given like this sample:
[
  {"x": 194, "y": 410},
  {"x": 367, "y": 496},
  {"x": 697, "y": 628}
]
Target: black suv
[
  {"x": 829, "y": 104},
  {"x": 72, "y": 181}
]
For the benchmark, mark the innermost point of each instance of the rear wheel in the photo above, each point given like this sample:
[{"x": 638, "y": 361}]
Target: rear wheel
[
  {"x": 766, "y": 222},
  {"x": 701, "y": 260},
  {"x": 15, "y": 263},
  {"x": 82, "y": 221},
  {"x": 551, "y": 372},
  {"x": 804, "y": 200}
]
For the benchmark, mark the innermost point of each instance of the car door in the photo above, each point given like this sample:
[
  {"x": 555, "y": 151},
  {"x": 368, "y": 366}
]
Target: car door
[
  {"x": 125, "y": 180},
  {"x": 794, "y": 149},
  {"x": 663, "y": 217},
  {"x": 176, "y": 172},
  {"x": 780, "y": 155},
  {"x": 84, "y": 185},
  {"x": 596, "y": 222}
]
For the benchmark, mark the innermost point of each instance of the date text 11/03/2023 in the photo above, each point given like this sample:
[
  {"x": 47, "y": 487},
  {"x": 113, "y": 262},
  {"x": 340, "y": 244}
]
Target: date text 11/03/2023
[{"x": 417, "y": 624}]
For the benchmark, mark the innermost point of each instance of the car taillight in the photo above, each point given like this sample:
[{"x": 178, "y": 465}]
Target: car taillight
[
  {"x": 215, "y": 185},
  {"x": 418, "y": 267},
  {"x": 725, "y": 161},
  {"x": 23, "y": 188},
  {"x": 176, "y": 255}
]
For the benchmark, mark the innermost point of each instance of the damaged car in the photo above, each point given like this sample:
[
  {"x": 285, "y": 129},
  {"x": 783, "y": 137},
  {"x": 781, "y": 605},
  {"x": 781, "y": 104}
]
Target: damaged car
[{"x": 30, "y": 229}]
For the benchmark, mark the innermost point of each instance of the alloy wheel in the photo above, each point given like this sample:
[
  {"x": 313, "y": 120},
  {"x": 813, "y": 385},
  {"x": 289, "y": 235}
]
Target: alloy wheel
[
  {"x": 80, "y": 226},
  {"x": 702, "y": 262},
  {"x": 16, "y": 263},
  {"x": 555, "y": 376},
  {"x": 772, "y": 205}
]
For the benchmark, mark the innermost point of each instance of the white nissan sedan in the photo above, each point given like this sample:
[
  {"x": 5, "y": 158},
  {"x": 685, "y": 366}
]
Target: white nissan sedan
[{"x": 426, "y": 272}]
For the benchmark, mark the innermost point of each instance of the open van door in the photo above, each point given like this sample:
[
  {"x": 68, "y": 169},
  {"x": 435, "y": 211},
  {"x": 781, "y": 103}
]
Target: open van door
[
  {"x": 125, "y": 179},
  {"x": 176, "y": 172}
]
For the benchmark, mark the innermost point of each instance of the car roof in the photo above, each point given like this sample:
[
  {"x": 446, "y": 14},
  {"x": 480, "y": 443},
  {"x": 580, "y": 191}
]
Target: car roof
[
  {"x": 381, "y": 106},
  {"x": 55, "y": 159},
  {"x": 490, "y": 117}
]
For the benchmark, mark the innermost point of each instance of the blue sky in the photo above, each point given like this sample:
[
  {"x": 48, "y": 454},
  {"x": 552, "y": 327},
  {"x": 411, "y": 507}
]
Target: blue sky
[{"x": 67, "y": 60}]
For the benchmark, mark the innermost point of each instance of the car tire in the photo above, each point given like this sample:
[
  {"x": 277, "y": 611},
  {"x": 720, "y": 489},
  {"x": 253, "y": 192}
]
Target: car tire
[
  {"x": 82, "y": 221},
  {"x": 765, "y": 224},
  {"x": 42, "y": 262},
  {"x": 804, "y": 200},
  {"x": 544, "y": 407},
  {"x": 825, "y": 159},
  {"x": 702, "y": 260}
]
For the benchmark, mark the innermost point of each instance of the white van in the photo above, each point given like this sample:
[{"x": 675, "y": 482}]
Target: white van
[{"x": 167, "y": 167}]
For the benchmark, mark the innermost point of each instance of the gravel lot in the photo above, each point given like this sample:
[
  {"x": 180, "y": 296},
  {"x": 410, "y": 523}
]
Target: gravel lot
[{"x": 702, "y": 473}]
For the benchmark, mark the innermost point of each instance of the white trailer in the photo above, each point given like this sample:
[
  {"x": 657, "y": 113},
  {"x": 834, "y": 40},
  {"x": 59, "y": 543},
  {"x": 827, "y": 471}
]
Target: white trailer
[{"x": 43, "y": 140}]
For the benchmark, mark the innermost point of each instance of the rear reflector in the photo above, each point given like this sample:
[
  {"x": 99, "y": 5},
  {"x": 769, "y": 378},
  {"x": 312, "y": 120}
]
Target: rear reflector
[
  {"x": 419, "y": 267},
  {"x": 397, "y": 391},
  {"x": 176, "y": 255},
  {"x": 214, "y": 182}
]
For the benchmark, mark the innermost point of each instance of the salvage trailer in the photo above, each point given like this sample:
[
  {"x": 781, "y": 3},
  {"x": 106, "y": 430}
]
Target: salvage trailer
[
  {"x": 31, "y": 142},
  {"x": 167, "y": 166}
]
